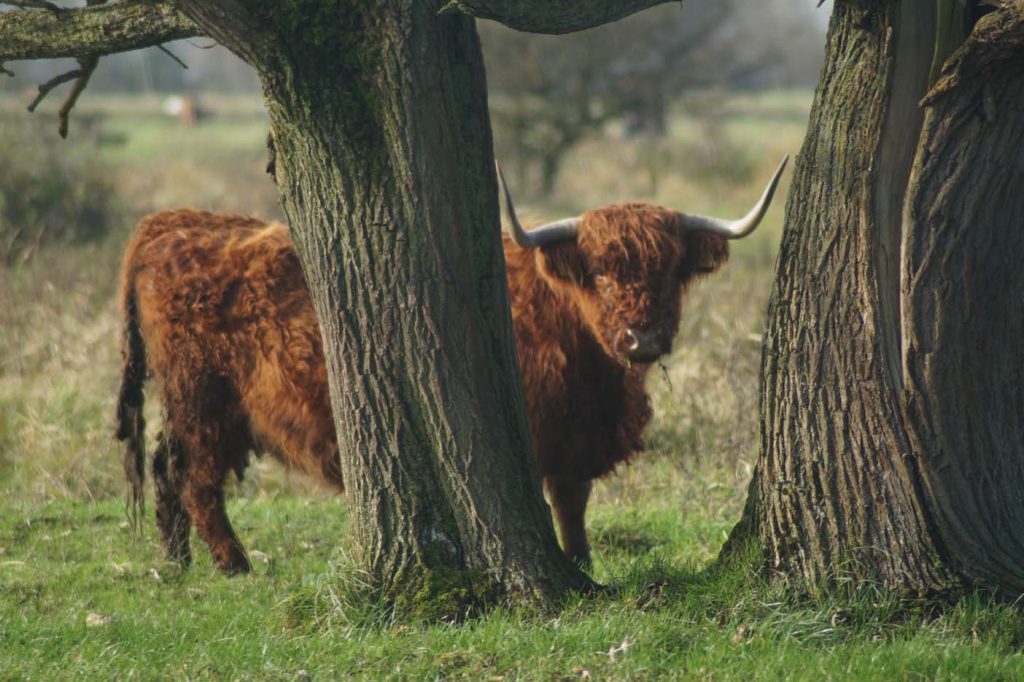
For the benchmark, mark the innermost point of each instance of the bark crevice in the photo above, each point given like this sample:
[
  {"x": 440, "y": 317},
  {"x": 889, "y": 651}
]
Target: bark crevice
[{"x": 914, "y": 37}]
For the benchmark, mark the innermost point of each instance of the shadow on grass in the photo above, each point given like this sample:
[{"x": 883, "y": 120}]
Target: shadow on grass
[{"x": 626, "y": 539}]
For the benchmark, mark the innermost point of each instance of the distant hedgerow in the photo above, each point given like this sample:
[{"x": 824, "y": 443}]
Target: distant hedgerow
[{"x": 51, "y": 192}]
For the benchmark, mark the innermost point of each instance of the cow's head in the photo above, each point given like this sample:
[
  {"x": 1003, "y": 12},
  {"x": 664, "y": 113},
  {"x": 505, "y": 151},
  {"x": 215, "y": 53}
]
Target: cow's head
[{"x": 626, "y": 265}]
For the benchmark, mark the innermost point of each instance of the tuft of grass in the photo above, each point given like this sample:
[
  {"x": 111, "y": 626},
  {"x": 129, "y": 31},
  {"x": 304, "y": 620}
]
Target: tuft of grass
[{"x": 59, "y": 358}]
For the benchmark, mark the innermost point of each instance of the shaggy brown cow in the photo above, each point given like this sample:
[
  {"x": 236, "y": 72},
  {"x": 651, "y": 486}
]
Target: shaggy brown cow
[{"x": 216, "y": 309}]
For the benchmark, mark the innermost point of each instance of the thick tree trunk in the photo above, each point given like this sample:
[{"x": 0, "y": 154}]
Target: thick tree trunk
[
  {"x": 962, "y": 294},
  {"x": 387, "y": 175},
  {"x": 891, "y": 428},
  {"x": 384, "y": 162}
]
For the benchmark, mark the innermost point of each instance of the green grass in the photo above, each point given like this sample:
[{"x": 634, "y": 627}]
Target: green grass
[
  {"x": 81, "y": 597},
  {"x": 66, "y": 550}
]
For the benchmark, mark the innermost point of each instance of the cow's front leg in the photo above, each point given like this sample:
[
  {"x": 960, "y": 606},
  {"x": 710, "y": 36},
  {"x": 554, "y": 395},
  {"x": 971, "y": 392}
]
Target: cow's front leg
[
  {"x": 171, "y": 518},
  {"x": 569, "y": 499}
]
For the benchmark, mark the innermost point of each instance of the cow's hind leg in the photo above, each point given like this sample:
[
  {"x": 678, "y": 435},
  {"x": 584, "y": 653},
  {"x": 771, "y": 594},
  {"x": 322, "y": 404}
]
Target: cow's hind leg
[
  {"x": 202, "y": 491},
  {"x": 569, "y": 499},
  {"x": 171, "y": 518}
]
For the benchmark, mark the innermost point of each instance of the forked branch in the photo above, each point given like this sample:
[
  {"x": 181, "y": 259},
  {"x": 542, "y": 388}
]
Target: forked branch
[{"x": 49, "y": 85}]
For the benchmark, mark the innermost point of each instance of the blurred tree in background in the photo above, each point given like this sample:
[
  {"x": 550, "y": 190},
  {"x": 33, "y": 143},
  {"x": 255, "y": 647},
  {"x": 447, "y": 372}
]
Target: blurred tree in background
[{"x": 548, "y": 93}]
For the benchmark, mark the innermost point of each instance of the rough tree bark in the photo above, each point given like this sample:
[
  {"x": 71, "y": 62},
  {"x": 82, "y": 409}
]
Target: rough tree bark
[
  {"x": 892, "y": 442},
  {"x": 384, "y": 161},
  {"x": 964, "y": 310},
  {"x": 92, "y": 31}
]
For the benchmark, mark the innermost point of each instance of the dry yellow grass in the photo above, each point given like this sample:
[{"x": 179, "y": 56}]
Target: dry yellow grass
[{"x": 59, "y": 332}]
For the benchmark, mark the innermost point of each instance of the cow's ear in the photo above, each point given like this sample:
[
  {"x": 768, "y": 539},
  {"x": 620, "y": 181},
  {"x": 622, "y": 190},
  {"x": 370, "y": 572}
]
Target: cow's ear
[
  {"x": 705, "y": 253},
  {"x": 564, "y": 262}
]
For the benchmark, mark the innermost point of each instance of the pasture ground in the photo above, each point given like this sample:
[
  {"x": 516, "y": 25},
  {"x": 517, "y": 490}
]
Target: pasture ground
[{"x": 82, "y": 596}]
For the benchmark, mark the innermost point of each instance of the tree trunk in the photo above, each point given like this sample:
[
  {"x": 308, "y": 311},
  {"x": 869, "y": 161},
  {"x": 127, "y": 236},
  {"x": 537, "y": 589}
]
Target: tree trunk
[
  {"x": 963, "y": 293},
  {"x": 385, "y": 166},
  {"x": 892, "y": 445}
]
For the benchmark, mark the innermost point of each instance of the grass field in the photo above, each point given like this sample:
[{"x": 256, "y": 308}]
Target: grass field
[{"x": 83, "y": 596}]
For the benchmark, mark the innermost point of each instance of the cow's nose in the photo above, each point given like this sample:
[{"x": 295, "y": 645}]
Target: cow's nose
[{"x": 643, "y": 346}]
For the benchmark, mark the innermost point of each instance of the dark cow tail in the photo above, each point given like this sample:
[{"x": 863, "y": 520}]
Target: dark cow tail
[{"x": 131, "y": 424}]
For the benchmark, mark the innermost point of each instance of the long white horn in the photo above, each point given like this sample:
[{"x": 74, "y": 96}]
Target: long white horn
[
  {"x": 559, "y": 230},
  {"x": 735, "y": 229}
]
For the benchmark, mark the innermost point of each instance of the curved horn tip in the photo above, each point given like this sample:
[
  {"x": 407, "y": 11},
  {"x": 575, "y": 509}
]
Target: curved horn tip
[
  {"x": 774, "y": 182},
  {"x": 782, "y": 167},
  {"x": 737, "y": 229},
  {"x": 515, "y": 230}
]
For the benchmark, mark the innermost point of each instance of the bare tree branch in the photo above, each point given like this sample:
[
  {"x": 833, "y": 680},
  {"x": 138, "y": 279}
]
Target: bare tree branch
[
  {"x": 91, "y": 31},
  {"x": 172, "y": 56},
  {"x": 81, "y": 76},
  {"x": 87, "y": 34},
  {"x": 49, "y": 85},
  {"x": 544, "y": 16}
]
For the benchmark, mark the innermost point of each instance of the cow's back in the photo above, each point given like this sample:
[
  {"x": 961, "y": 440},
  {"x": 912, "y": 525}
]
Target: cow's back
[{"x": 231, "y": 335}]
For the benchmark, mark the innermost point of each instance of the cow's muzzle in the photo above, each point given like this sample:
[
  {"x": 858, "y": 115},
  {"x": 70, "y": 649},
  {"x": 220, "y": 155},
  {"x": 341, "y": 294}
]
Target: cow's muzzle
[{"x": 645, "y": 346}]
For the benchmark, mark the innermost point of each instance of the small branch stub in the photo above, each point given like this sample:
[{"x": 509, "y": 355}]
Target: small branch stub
[{"x": 173, "y": 56}]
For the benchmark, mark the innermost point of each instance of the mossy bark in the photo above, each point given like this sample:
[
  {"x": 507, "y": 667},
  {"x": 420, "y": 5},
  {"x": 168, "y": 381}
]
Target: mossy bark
[
  {"x": 384, "y": 162},
  {"x": 891, "y": 443},
  {"x": 91, "y": 31}
]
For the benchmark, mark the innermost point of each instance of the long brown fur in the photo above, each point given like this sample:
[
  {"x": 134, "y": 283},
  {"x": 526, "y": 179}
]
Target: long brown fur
[{"x": 217, "y": 310}]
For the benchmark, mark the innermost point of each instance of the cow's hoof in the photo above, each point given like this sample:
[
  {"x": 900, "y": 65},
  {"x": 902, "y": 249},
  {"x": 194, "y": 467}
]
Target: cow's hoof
[{"x": 236, "y": 567}]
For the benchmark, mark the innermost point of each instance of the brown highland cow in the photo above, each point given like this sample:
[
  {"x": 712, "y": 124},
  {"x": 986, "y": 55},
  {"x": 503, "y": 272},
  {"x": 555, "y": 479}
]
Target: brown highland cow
[{"x": 217, "y": 311}]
